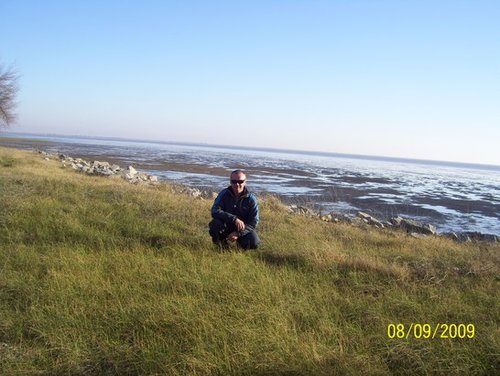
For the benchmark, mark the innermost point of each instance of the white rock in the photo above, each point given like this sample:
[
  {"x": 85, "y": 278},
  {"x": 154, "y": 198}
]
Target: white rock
[
  {"x": 367, "y": 218},
  {"x": 131, "y": 171}
]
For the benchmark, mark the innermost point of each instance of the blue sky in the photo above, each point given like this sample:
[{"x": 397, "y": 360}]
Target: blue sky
[{"x": 416, "y": 79}]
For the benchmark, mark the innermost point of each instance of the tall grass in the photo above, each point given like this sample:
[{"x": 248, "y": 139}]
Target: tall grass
[{"x": 98, "y": 276}]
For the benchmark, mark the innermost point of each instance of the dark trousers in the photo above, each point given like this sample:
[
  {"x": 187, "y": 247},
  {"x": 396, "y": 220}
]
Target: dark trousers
[{"x": 220, "y": 230}]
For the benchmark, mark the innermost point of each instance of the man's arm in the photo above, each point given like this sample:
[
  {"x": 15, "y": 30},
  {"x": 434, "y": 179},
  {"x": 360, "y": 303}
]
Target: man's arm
[
  {"x": 252, "y": 217},
  {"x": 218, "y": 209}
]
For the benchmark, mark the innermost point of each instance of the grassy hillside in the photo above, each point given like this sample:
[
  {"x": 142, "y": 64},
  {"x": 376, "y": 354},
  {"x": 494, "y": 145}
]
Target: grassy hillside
[{"x": 98, "y": 276}]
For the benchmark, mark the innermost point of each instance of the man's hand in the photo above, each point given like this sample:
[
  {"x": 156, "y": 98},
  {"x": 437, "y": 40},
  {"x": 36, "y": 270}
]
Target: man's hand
[
  {"x": 240, "y": 225},
  {"x": 233, "y": 236}
]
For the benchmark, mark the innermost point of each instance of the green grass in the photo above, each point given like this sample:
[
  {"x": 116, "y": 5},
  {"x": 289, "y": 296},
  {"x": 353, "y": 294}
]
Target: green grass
[
  {"x": 6, "y": 162},
  {"x": 98, "y": 276}
]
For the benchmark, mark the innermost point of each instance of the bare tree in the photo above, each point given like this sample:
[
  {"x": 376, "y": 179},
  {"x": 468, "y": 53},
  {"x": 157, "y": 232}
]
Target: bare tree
[{"x": 8, "y": 91}]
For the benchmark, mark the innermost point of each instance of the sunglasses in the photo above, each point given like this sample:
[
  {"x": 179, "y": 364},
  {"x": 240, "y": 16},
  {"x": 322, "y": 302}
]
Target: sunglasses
[{"x": 237, "y": 181}]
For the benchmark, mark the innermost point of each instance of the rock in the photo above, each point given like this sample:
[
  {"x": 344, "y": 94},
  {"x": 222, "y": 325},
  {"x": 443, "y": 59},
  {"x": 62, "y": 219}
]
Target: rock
[
  {"x": 44, "y": 154},
  {"x": 100, "y": 168},
  {"x": 476, "y": 236},
  {"x": 367, "y": 218},
  {"x": 451, "y": 235},
  {"x": 190, "y": 191},
  {"x": 100, "y": 164},
  {"x": 131, "y": 171},
  {"x": 359, "y": 222},
  {"x": 483, "y": 237},
  {"x": 417, "y": 235},
  {"x": 410, "y": 225},
  {"x": 327, "y": 218},
  {"x": 193, "y": 192},
  {"x": 302, "y": 210},
  {"x": 142, "y": 176},
  {"x": 103, "y": 172},
  {"x": 469, "y": 236},
  {"x": 343, "y": 218},
  {"x": 396, "y": 221}
]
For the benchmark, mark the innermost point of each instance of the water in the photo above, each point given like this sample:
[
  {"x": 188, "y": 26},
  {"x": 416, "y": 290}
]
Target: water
[{"x": 452, "y": 196}]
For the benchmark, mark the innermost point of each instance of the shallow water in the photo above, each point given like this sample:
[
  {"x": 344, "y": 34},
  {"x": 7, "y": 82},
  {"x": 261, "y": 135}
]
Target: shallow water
[{"x": 454, "y": 197}]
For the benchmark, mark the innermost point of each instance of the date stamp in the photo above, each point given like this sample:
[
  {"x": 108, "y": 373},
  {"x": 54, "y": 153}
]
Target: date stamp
[{"x": 428, "y": 331}]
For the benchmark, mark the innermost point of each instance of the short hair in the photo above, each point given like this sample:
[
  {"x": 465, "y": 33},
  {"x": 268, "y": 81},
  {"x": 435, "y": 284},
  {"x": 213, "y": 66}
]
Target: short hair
[{"x": 238, "y": 172}]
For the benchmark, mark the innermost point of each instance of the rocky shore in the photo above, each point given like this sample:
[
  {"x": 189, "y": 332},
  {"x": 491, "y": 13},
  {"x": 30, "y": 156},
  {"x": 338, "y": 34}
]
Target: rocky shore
[
  {"x": 130, "y": 174},
  {"x": 361, "y": 219},
  {"x": 414, "y": 228}
]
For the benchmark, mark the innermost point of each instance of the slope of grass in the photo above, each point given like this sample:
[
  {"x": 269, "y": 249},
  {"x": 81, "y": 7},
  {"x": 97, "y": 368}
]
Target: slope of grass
[{"x": 98, "y": 276}]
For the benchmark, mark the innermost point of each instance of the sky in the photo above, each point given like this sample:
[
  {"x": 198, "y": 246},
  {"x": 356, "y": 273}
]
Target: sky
[{"x": 413, "y": 79}]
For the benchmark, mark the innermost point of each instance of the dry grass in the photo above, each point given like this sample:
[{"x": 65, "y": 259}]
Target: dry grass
[{"x": 98, "y": 276}]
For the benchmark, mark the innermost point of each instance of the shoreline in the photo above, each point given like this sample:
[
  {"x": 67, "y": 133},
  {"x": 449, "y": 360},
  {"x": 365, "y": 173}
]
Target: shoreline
[
  {"x": 346, "y": 193},
  {"x": 414, "y": 228}
]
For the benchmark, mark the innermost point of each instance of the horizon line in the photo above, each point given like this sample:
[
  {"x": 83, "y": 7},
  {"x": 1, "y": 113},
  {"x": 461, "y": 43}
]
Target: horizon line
[{"x": 382, "y": 158}]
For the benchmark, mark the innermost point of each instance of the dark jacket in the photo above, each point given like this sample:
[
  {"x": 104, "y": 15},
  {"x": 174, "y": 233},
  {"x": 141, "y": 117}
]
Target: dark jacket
[{"x": 227, "y": 207}]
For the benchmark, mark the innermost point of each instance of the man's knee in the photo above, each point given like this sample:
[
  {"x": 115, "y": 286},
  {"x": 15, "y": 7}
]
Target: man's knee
[
  {"x": 250, "y": 241},
  {"x": 215, "y": 226},
  {"x": 217, "y": 229}
]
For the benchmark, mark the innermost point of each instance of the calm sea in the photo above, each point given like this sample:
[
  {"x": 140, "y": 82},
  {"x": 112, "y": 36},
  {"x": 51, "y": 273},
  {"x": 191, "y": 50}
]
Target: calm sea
[{"x": 452, "y": 196}]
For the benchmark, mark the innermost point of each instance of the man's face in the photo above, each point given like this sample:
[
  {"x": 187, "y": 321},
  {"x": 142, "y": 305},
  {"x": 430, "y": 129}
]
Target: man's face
[{"x": 238, "y": 183}]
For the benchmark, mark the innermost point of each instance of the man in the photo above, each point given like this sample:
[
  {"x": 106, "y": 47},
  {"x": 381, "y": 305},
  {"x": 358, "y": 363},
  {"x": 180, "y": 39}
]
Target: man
[{"x": 235, "y": 214}]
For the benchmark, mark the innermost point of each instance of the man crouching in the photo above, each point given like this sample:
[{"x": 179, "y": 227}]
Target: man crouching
[{"x": 235, "y": 214}]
